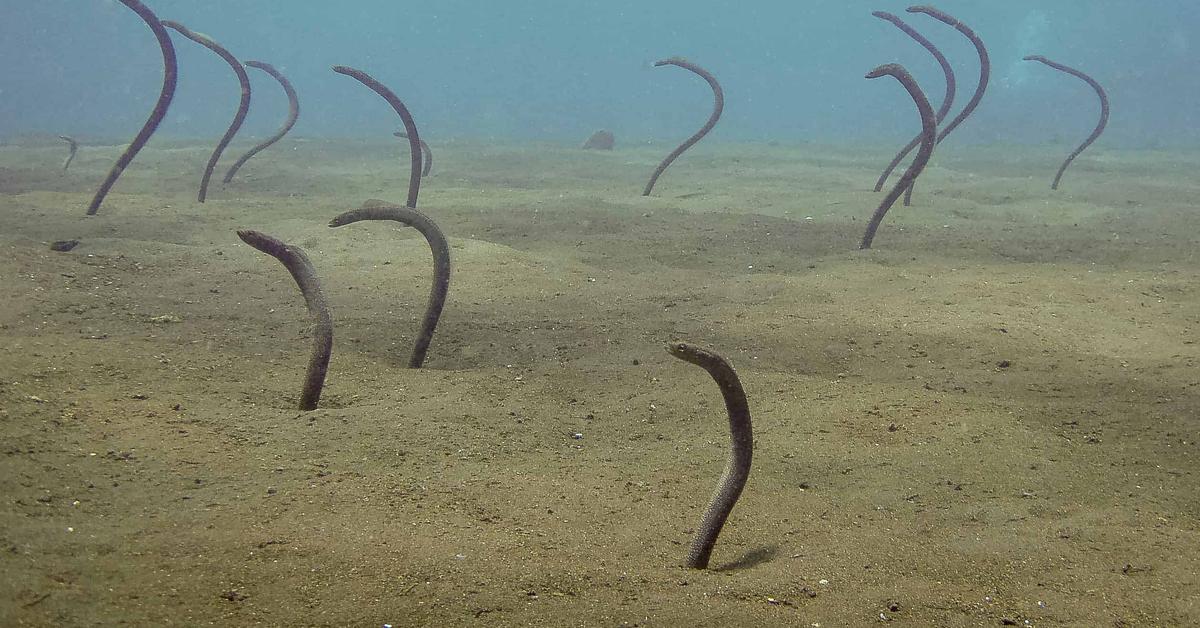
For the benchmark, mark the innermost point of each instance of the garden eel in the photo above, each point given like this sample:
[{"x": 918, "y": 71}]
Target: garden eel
[
  {"x": 947, "y": 102},
  {"x": 410, "y": 126},
  {"x": 985, "y": 72},
  {"x": 170, "y": 75},
  {"x": 297, "y": 263},
  {"x": 718, "y": 107},
  {"x": 243, "y": 104},
  {"x": 72, "y": 148},
  {"x": 427, "y": 164},
  {"x": 733, "y": 480},
  {"x": 1103, "y": 111},
  {"x": 928, "y": 139},
  {"x": 379, "y": 210},
  {"x": 293, "y": 114}
]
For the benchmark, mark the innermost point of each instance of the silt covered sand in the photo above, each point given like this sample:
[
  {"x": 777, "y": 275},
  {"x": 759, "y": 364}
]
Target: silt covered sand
[{"x": 992, "y": 416}]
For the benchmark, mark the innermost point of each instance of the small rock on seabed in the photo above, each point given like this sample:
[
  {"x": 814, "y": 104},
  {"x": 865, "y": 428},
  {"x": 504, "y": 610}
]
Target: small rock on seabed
[{"x": 601, "y": 140}]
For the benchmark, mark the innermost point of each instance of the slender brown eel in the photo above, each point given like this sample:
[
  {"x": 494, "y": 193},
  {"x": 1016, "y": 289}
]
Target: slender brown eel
[
  {"x": 928, "y": 139},
  {"x": 293, "y": 114},
  {"x": 718, "y": 107},
  {"x": 170, "y": 74},
  {"x": 72, "y": 148},
  {"x": 243, "y": 104},
  {"x": 378, "y": 210},
  {"x": 947, "y": 102},
  {"x": 733, "y": 480},
  {"x": 427, "y": 159},
  {"x": 297, "y": 263},
  {"x": 410, "y": 126},
  {"x": 1103, "y": 111},
  {"x": 985, "y": 72}
]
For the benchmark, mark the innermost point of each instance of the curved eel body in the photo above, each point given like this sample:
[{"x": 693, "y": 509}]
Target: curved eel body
[
  {"x": 410, "y": 126},
  {"x": 72, "y": 148},
  {"x": 985, "y": 73},
  {"x": 243, "y": 105},
  {"x": 737, "y": 471},
  {"x": 1099, "y": 125},
  {"x": 293, "y": 114},
  {"x": 301, "y": 269},
  {"x": 170, "y": 77},
  {"x": 947, "y": 101},
  {"x": 427, "y": 160},
  {"x": 928, "y": 139},
  {"x": 378, "y": 210},
  {"x": 718, "y": 107}
]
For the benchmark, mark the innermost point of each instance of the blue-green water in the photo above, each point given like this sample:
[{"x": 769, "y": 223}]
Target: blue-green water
[{"x": 555, "y": 69}]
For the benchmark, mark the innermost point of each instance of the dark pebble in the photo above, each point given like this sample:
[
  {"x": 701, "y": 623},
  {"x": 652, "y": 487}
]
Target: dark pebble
[{"x": 63, "y": 246}]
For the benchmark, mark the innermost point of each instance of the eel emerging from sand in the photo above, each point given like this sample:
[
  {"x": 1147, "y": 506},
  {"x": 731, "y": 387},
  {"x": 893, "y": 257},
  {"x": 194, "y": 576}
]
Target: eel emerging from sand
[
  {"x": 427, "y": 160},
  {"x": 718, "y": 107},
  {"x": 301, "y": 269},
  {"x": 737, "y": 471},
  {"x": 1099, "y": 125},
  {"x": 410, "y": 126},
  {"x": 379, "y": 210},
  {"x": 928, "y": 140},
  {"x": 293, "y": 114},
  {"x": 243, "y": 104},
  {"x": 72, "y": 148},
  {"x": 170, "y": 76}
]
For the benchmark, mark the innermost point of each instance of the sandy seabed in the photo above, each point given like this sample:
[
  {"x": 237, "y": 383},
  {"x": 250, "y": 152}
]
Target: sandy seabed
[{"x": 991, "y": 417}]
